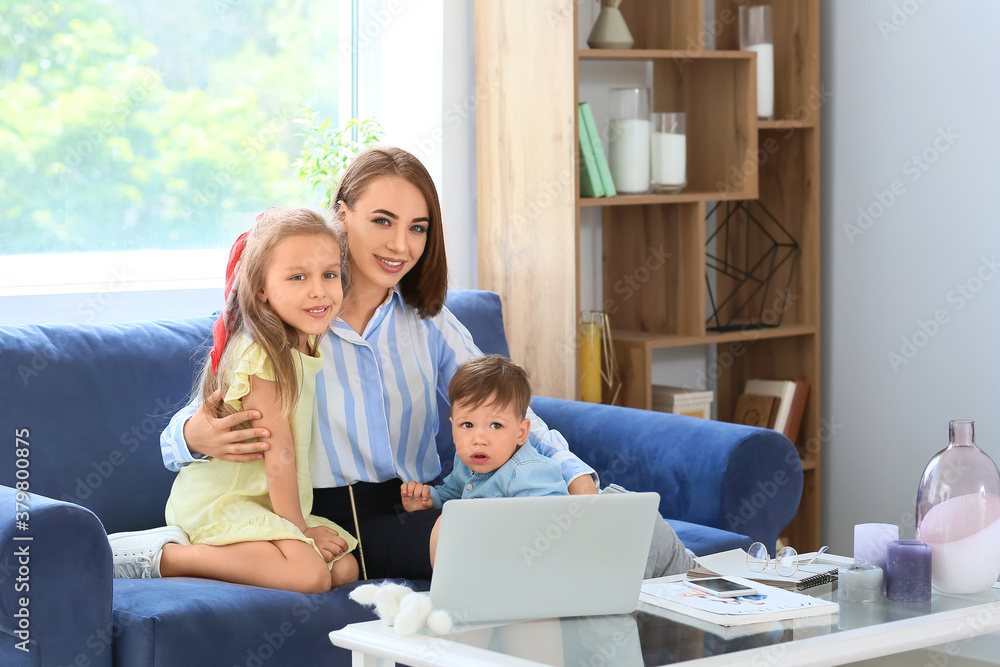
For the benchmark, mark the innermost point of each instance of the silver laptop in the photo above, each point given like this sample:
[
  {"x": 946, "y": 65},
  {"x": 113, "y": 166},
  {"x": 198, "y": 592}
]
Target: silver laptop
[{"x": 513, "y": 559}]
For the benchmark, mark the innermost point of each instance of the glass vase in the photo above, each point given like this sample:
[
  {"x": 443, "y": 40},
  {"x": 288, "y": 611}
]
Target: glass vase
[{"x": 958, "y": 514}]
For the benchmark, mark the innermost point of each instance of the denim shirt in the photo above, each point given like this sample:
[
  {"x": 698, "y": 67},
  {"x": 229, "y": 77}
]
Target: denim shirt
[{"x": 527, "y": 473}]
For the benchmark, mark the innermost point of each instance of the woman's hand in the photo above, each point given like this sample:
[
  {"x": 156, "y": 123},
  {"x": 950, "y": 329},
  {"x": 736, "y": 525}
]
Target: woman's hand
[
  {"x": 415, "y": 496},
  {"x": 329, "y": 541},
  {"x": 582, "y": 486},
  {"x": 214, "y": 436}
]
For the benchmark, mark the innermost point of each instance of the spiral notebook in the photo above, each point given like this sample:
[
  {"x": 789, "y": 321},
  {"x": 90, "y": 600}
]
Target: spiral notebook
[{"x": 734, "y": 563}]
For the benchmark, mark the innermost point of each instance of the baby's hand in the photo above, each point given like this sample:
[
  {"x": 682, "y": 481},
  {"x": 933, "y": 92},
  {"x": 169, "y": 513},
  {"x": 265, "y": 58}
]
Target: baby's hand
[{"x": 415, "y": 496}]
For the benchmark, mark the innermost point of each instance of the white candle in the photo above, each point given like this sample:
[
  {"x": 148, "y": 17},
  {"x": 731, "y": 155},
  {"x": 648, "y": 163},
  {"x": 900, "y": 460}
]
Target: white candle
[
  {"x": 871, "y": 542},
  {"x": 859, "y": 583},
  {"x": 669, "y": 153},
  {"x": 629, "y": 159},
  {"x": 765, "y": 79}
]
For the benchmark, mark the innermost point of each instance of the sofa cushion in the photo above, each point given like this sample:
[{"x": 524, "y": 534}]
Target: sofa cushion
[
  {"x": 188, "y": 621},
  {"x": 99, "y": 396},
  {"x": 704, "y": 540}
]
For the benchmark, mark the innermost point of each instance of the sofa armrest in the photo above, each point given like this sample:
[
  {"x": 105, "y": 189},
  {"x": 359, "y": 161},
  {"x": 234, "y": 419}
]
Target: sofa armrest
[
  {"x": 55, "y": 582},
  {"x": 739, "y": 478}
]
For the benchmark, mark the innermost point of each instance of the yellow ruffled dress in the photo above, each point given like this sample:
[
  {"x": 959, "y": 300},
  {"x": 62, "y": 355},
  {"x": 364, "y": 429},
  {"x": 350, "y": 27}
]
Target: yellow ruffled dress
[{"x": 220, "y": 502}]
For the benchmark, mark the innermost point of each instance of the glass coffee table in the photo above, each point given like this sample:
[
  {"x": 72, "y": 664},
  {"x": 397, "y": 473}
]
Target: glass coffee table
[{"x": 654, "y": 636}]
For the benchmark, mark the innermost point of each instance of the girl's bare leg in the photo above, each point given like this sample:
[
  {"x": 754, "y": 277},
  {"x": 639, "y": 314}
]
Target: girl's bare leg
[
  {"x": 344, "y": 571},
  {"x": 290, "y": 565}
]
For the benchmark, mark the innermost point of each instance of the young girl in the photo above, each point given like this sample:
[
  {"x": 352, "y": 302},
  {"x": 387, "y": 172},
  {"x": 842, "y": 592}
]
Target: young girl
[{"x": 250, "y": 522}]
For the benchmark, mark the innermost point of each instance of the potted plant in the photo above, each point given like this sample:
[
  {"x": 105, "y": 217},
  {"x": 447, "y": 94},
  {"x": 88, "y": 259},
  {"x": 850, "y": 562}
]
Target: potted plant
[{"x": 328, "y": 149}]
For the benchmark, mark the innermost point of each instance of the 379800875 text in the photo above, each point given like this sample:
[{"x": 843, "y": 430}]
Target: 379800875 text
[{"x": 22, "y": 554}]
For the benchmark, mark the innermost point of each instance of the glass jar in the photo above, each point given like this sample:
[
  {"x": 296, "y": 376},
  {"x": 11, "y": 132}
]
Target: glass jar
[
  {"x": 628, "y": 140},
  {"x": 958, "y": 514},
  {"x": 756, "y": 35}
]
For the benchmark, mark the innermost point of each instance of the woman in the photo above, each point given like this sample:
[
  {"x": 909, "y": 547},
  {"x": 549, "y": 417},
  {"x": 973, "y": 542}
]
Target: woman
[{"x": 391, "y": 350}]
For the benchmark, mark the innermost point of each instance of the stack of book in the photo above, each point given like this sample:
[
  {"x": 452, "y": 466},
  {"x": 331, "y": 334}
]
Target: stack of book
[
  {"x": 595, "y": 173},
  {"x": 775, "y": 404}
]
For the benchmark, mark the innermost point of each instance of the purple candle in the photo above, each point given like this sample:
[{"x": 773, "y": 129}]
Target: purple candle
[{"x": 908, "y": 571}]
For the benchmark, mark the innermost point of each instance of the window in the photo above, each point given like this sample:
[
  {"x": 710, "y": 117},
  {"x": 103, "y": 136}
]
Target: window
[{"x": 142, "y": 125}]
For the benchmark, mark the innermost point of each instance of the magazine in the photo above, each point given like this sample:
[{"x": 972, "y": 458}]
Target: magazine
[{"x": 770, "y": 603}]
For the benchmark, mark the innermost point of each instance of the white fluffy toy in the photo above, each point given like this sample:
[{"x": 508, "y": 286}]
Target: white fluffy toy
[{"x": 405, "y": 609}]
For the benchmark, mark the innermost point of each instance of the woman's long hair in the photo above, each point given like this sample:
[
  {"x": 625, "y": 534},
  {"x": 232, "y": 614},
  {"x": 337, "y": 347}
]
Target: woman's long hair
[
  {"x": 425, "y": 286},
  {"x": 255, "y": 317}
]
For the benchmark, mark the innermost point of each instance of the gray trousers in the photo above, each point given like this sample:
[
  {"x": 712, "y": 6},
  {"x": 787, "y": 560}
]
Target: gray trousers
[{"x": 667, "y": 554}]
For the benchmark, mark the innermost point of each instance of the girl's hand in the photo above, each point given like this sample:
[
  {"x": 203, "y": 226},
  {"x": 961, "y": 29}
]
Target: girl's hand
[
  {"x": 415, "y": 496},
  {"x": 213, "y": 436},
  {"x": 329, "y": 541}
]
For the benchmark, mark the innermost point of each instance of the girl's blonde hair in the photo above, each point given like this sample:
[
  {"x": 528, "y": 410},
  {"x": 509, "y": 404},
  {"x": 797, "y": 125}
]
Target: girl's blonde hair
[{"x": 256, "y": 318}]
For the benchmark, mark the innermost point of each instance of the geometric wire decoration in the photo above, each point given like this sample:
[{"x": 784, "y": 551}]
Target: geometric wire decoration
[{"x": 751, "y": 249}]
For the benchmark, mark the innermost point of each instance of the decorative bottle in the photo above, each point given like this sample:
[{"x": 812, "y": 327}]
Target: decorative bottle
[{"x": 958, "y": 514}]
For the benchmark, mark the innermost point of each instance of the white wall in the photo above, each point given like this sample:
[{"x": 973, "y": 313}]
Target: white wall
[{"x": 928, "y": 92}]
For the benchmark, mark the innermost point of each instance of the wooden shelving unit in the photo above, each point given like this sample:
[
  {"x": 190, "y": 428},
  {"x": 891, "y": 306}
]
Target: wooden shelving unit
[{"x": 529, "y": 207}]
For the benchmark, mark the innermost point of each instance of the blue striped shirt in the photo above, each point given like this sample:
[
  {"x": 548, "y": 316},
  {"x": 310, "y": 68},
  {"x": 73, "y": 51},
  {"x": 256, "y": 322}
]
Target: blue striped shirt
[{"x": 376, "y": 401}]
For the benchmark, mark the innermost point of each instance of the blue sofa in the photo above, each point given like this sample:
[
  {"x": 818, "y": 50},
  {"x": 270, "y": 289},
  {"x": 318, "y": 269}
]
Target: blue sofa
[{"x": 82, "y": 410}]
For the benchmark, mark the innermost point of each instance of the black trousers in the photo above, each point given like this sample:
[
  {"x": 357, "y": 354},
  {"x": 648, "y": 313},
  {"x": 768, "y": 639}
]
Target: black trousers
[{"x": 394, "y": 542}]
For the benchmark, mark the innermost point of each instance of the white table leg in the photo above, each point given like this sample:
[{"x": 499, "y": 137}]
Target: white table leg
[{"x": 361, "y": 659}]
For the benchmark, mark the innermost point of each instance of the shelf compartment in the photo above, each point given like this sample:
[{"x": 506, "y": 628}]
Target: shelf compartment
[
  {"x": 792, "y": 167},
  {"x": 664, "y": 24},
  {"x": 787, "y": 162},
  {"x": 653, "y": 255},
  {"x": 797, "y": 91},
  {"x": 634, "y": 356},
  {"x": 719, "y": 98}
]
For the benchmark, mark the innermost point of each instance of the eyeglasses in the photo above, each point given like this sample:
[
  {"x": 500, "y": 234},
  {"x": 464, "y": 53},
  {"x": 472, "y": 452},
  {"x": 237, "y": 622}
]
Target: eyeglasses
[{"x": 785, "y": 562}]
